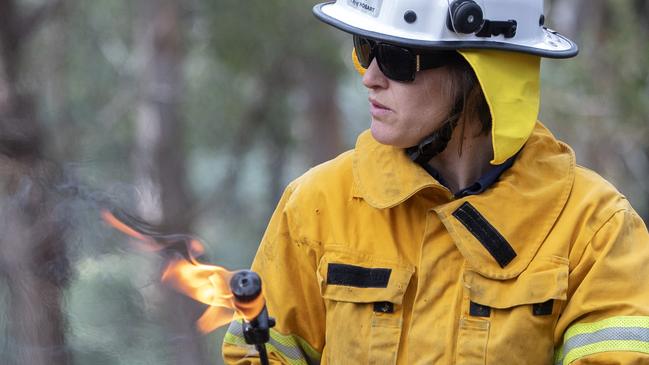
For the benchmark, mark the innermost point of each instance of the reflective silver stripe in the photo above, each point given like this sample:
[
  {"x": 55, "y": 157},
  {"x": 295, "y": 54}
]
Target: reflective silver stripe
[
  {"x": 234, "y": 334},
  {"x": 615, "y": 333},
  {"x": 607, "y": 334},
  {"x": 293, "y": 353}
]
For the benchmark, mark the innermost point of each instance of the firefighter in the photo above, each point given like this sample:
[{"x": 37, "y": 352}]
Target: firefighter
[{"x": 459, "y": 230}]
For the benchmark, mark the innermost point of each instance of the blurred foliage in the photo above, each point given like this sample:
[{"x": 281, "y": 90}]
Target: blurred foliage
[
  {"x": 597, "y": 101},
  {"x": 245, "y": 69}
]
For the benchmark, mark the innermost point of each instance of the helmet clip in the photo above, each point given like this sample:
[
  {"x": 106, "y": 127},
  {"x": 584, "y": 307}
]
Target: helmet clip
[
  {"x": 467, "y": 17},
  {"x": 498, "y": 27}
]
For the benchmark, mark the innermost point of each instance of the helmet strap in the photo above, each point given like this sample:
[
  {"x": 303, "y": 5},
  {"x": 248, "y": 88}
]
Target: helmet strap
[{"x": 437, "y": 141}]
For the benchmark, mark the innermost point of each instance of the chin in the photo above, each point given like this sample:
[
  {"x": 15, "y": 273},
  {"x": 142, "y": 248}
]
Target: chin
[{"x": 388, "y": 136}]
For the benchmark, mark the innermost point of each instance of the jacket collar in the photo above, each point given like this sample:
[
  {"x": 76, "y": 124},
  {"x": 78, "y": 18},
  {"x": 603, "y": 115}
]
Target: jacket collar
[
  {"x": 522, "y": 205},
  {"x": 384, "y": 176}
]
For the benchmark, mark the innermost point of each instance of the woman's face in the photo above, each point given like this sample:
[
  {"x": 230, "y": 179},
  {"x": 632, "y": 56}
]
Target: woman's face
[{"x": 403, "y": 114}]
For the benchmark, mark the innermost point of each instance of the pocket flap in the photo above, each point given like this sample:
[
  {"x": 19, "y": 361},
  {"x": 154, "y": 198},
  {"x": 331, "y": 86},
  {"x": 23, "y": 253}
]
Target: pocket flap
[
  {"x": 347, "y": 276},
  {"x": 546, "y": 278}
]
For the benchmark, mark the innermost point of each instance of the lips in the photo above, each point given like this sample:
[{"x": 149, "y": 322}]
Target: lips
[
  {"x": 376, "y": 104},
  {"x": 377, "y": 109}
]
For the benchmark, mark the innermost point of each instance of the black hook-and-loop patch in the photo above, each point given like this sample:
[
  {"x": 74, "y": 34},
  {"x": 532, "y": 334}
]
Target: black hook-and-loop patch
[
  {"x": 479, "y": 310},
  {"x": 384, "y": 307},
  {"x": 543, "y": 309},
  {"x": 490, "y": 238},
  {"x": 357, "y": 276}
]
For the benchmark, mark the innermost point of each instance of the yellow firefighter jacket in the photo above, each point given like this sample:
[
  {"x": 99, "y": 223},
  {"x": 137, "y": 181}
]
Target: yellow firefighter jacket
[{"x": 369, "y": 260}]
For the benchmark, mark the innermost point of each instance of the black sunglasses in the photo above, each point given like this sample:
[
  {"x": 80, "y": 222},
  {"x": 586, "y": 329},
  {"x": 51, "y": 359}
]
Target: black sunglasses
[{"x": 399, "y": 63}]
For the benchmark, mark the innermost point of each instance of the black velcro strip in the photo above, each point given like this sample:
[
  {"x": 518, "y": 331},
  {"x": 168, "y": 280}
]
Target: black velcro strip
[
  {"x": 360, "y": 277},
  {"x": 384, "y": 307},
  {"x": 543, "y": 309},
  {"x": 490, "y": 238},
  {"x": 479, "y": 310}
]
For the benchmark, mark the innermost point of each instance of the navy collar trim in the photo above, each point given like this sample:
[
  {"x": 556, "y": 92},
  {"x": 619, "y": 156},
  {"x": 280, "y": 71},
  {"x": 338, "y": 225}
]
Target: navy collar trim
[{"x": 483, "y": 183}]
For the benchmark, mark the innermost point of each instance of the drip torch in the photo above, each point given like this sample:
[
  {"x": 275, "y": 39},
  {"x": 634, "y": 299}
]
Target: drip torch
[{"x": 246, "y": 288}]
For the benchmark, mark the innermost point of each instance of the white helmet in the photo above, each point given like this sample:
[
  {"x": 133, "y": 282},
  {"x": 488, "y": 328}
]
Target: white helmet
[{"x": 512, "y": 25}]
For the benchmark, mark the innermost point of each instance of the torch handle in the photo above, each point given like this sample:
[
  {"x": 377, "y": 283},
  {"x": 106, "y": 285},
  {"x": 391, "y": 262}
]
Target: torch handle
[{"x": 263, "y": 356}]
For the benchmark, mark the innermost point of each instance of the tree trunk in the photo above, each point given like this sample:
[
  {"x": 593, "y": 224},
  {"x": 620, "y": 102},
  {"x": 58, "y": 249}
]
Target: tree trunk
[
  {"x": 323, "y": 113},
  {"x": 34, "y": 265},
  {"x": 567, "y": 16},
  {"x": 159, "y": 155},
  {"x": 33, "y": 260}
]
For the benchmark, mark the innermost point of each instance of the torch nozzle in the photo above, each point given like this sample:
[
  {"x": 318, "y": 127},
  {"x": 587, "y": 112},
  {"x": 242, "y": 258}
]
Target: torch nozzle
[{"x": 245, "y": 286}]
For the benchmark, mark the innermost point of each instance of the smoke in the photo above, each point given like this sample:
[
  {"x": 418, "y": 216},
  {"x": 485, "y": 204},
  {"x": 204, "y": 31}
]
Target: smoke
[{"x": 72, "y": 289}]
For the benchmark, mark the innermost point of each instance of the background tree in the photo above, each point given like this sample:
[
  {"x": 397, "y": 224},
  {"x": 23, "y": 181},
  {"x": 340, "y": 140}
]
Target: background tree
[
  {"x": 159, "y": 155},
  {"x": 597, "y": 101},
  {"x": 33, "y": 262}
]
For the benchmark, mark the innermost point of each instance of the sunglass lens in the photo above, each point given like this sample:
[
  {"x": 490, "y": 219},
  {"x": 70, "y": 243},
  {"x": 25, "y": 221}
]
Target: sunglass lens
[
  {"x": 363, "y": 48},
  {"x": 438, "y": 59},
  {"x": 396, "y": 63}
]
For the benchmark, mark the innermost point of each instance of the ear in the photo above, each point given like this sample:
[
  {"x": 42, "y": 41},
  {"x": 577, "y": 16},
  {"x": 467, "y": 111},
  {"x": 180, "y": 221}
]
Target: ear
[{"x": 357, "y": 65}]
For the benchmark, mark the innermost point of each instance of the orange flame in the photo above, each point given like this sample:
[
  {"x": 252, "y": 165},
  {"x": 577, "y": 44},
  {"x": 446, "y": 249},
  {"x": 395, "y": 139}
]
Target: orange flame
[{"x": 208, "y": 284}]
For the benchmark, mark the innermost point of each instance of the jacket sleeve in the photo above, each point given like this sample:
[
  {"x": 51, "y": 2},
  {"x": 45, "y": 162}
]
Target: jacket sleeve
[
  {"x": 606, "y": 317},
  {"x": 287, "y": 264}
]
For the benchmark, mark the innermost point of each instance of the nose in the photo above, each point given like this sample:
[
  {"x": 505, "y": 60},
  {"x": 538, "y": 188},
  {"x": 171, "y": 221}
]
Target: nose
[{"x": 374, "y": 78}]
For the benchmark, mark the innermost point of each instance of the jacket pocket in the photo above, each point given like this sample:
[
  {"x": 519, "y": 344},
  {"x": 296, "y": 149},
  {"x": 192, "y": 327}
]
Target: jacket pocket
[
  {"x": 513, "y": 320},
  {"x": 363, "y": 297},
  {"x": 472, "y": 341}
]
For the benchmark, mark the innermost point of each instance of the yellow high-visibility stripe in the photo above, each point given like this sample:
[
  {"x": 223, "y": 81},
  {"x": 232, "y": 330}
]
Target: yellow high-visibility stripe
[
  {"x": 620, "y": 321},
  {"x": 622, "y": 333}
]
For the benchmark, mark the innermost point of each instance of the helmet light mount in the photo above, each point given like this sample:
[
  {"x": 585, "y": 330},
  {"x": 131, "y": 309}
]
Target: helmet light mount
[{"x": 467, "y": 17}]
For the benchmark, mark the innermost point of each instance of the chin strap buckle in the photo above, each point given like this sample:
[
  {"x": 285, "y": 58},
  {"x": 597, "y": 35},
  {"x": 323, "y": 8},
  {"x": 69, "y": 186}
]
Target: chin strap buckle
[
  {"x": 432, "y": 145},
  {"x": 419, "y": 153}
]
